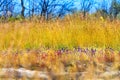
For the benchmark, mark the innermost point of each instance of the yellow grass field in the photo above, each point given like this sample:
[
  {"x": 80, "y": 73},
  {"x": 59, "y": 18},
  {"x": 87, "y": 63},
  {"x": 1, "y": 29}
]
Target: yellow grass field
[
  {"x": 68, "y": 45},
  {"x": 68, "y": 33}
]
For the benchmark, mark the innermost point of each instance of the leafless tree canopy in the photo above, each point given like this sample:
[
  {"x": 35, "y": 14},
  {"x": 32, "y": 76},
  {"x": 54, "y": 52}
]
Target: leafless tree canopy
[{"x": 49, "y": 9}]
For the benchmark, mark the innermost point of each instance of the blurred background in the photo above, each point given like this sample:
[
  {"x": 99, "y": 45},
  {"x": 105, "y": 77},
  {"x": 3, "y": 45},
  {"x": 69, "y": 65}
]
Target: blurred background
[{"x": 51, "y": 9}]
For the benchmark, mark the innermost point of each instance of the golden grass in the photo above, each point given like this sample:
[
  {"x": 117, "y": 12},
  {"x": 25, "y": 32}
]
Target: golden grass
[
  {"x": 18, "y": 39},
  {"x": 71, "y": 62},
  {"x": 67, "y": 33}
]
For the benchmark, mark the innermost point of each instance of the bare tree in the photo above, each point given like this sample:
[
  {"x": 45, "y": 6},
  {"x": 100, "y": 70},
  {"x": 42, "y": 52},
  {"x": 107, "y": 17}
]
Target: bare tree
[
  {"x": 54, "y": 8},
  {"x": 86, "y": 5},
  {"x": 104, "y": 5},
  {"x": 23, "y": 9},
  {"x": 1, "y": 4},
  {"x": 114, "y": 9},
  {"x": 66, "y": 7},
  {"x": 46, "y": 9},
  {"x": 32, "y": 7},
  {"x": 104, "y": 9},
  {"x": 6, "y": 8}
]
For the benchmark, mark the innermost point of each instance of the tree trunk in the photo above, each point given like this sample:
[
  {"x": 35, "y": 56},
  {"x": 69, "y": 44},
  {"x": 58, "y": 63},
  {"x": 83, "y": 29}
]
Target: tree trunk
[
  {"x": 84, "y": 14},
  {"x": 23, "y": 9}
]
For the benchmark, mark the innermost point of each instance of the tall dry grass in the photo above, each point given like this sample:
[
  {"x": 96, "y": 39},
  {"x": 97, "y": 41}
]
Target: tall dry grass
[
  {"x": 67, "y": 33},
  {"x": 70, "y": 32}
]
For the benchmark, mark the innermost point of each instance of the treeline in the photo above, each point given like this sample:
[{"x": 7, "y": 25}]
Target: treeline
[{"x": 51, "y": 9}]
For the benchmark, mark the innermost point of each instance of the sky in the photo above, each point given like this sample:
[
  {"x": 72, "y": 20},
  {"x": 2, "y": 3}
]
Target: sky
[
  {"x": 97, "y": 4},
  {"x": 17, "y": 9},
  {"x": 76, "y": 3}
]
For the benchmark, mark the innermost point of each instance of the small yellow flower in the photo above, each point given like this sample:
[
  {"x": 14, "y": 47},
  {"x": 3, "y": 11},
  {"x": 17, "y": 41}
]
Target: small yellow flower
[{"x": 101, "y": 18}]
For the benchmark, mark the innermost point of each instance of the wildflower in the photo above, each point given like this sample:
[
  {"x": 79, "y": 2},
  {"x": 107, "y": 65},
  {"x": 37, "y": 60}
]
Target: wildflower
[
  {"x": 59, "y": 52},
  {"x": 102, "y": 19}
]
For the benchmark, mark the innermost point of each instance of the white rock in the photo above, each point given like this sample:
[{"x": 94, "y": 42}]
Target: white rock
[{"x": 22, "y": 72}]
